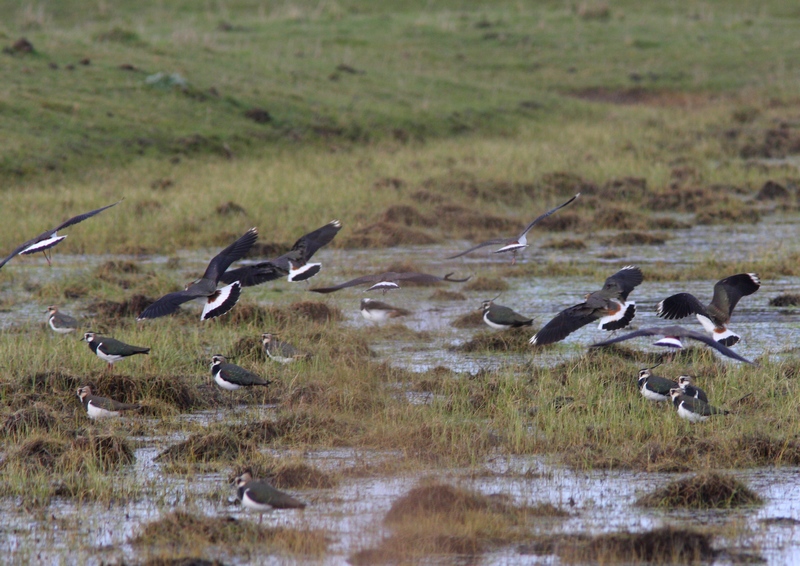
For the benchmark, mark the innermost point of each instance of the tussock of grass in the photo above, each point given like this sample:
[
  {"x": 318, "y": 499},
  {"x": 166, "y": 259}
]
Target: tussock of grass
[
  {"x": 35, "y": 417},
  {"x": 215, "y": 446},
  {"x": 472, "y": 319},
  {"x": 284, "y": 474},
  {"x": 442, "y": 519},
  {"x": 786, "y": 300},
  {"x": 708, "y": 490},
  {"x": 181, "y": 530},
  {"x": 492, "y": 284},
  {"x": 443, "y": 295},
  {"x": 667, "y": 545}
]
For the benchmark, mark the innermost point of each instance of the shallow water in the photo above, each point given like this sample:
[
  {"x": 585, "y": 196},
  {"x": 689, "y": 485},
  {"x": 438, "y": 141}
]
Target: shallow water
[{"x": 70, "y": 533}]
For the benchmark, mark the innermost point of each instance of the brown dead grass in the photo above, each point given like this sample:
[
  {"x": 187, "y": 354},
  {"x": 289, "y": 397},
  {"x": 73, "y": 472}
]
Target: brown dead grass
[
  {"x": 472, "y": 319},
  {"x": 181, "y": 529},
  {"x": 708, "y": 490},
  {"x": 511, "y": 340}
]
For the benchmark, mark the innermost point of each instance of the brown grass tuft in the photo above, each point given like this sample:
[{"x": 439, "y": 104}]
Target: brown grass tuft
[
  {"x": 214, "y": 446},
  {"x": 666, "y": 545},
  {"x": 486, "y": 284},
  {"x": 472, "y": 319},
  {"x": 316, "y": 311},
  {"x": 707, "y": 490},
  {"x": 123, "y": 309},
  {"x": 512, "y": 340},
  {"x": 192, "y": 531}
]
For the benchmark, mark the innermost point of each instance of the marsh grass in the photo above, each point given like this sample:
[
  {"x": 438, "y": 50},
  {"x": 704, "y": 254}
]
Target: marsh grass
[
  {"x": 181, "y": 531},
  {"x": 441, "y": 519},
  {"x": 706, "y": 490}
]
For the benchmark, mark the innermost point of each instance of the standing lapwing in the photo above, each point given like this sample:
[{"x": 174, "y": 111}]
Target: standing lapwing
[
  {"x": 111, "y": 350},
  {"x": 261, "y": 497},
  {"x": 50, "y": 238},
  {"x": 279, "y": 351},
  {"x": 609, "y": 305},
  {"x": 715, "y": 316},
  {"x": 516, "y": 243},
  {"x": 378, "y": 311},
  {"x": 217, "y": 301},
  {"x": 293, "y": 263},
  {"x": 654, "y": 387},
  {"x": 102, "y": 407},
  {"x": 691, "y": 409},
  {"x": 500, "y": 317},
  {"x": 59, "y": 321},
  {"x": 232, "y": 377},
  {"x": 686, "y": 384},
  {"x": 672, "y": 336},
  {"x": 390, "y": 280}
]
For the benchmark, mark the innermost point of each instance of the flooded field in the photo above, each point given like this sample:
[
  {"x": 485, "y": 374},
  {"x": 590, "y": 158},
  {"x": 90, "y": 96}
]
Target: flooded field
[{"x": 351, "y": 514}]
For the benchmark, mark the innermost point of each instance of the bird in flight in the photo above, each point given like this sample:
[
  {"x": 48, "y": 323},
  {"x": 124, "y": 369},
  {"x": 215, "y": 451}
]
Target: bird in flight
[
  {"x": 515, "y": 243},
  {"x": 390, "y": 280},
  {"x": 50, "y": 238},
  {"x": 217, "y": 301}
]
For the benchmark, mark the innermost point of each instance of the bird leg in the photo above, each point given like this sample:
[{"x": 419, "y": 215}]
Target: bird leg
[{"x": 44, "y": 253}]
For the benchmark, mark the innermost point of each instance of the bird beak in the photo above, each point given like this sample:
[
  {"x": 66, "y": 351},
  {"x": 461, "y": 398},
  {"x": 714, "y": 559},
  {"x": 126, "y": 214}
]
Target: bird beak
[{"x": 655, "y": 366}]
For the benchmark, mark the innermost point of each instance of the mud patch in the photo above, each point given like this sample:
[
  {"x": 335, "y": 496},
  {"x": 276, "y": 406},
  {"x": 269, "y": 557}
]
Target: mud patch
[{"x": 709, "y": 490}]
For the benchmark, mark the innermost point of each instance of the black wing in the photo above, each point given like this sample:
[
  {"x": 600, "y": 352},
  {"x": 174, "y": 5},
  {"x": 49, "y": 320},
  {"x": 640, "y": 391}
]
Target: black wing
[
  {"x": 307, "y": 245},
  {"x": 167, "y": 304},
  {"x": 82, "y": 217},
  {"x": 680, "y": 305},
  {"x": 564, "y": 323},
  {"x": 619, "y": 285},
  {"x": 728, "y": 291},
  {"x": 679, "y": 332},
  {"x": 506, "y": 241},
  {"x": 546, "y": 214},
  {"x": 234, "y": 252},
  {"x": 48, "y": 233},
  {"x": 255, "y": 274}
]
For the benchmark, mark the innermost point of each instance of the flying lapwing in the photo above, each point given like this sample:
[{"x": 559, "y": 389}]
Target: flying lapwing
[
  {"x": 609, "y": 305},
  {"x": 514, "y": 244},
  {"x": 672, "y": 338},
  {"x": 50, "y": 238},
  {"x": 217, "y": 301},
  {"x": 293, "y": 263},
  {"x": 717, "y": 314},
  {"x": 390, "y": 280}
]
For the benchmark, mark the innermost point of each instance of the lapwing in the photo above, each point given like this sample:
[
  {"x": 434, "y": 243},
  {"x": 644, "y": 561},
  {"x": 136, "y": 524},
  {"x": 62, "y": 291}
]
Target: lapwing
[
  {"x": 59, "y": 321},
  {"x": 390, "y": 280},
  {"x": 232, "y": 377},
  {"x": 609, "y": 305},
  {"x": 500, "y": 317},
  {"x": 259, "y": 496},
  {"x": 514, "y": 244},
  {"x": 691, "y": 409},
  {"x": 673, "y": 336},
  {"x": 217, "y": 301},
  {"x": 280, "y": 351},
  {"x": 654, "y": 387},
  {"x": 686, "y": 384},
  {"x": 293, "y": 263},
  {"x": 50, "y": 238},
  {"x": 102, "y": 407},
  {"x": 378, "y": 311},
  {"x": 717, "y": 314},
  {"x": 111, "y": 350}
]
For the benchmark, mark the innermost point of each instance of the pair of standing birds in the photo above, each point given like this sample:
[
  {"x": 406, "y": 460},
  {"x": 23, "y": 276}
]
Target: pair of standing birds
[{"x": 690, "y": 401}]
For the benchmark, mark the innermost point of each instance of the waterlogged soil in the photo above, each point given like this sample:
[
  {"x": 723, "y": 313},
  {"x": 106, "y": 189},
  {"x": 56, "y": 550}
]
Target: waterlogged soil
[{"x": 352, "y": 513}]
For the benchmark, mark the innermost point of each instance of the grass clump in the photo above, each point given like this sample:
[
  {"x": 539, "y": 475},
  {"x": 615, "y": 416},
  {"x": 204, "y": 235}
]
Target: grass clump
[
  {"x": 219, "y": 445},
  {"x": 182, "y": 530},
  {"x": 707, "y": 490},
  {"x": 441, "y": 519},
  {"x": 511, "y": 340},
  {"x": 667, "y": 545}
]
